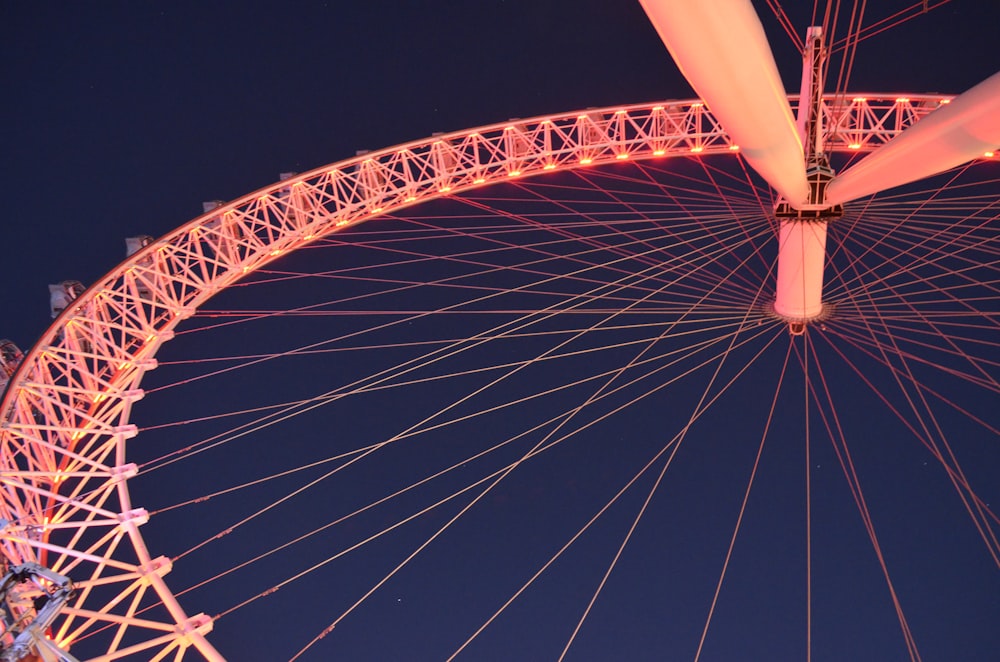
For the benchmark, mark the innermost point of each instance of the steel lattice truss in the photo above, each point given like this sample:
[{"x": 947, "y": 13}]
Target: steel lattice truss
[{"x": 66, "y": 412}]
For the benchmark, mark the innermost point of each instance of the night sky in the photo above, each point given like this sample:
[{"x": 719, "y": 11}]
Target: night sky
[{"x": 120, "y": 118}]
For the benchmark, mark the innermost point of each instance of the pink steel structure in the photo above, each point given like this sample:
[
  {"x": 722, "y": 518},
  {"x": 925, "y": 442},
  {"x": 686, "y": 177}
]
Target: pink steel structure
[
  {"x": 66, "y": 502},
  {"x": 66, "y": 412}
]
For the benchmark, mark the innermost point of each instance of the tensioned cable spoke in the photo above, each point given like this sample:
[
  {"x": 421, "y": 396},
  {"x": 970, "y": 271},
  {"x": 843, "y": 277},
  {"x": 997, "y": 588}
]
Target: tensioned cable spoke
[
  {"x": 400, "y": 369},
  {"x": 488, "y": 269},
  {"x": 984, "y": 379},
  {"x": 690, "y": 351},
  {"x": 943, "y": 273},
  {"x": 656, "y": 388},
  {"x": 721, "y": 322},
  {"x": 906, "y": 422},
  {"x": 687, "y": 352},
  {"x": 388, "y": 441},
  {"x": 694, "y": 194},
  {"x": 653, "y": 489},
  {"x": 859, "y": 333},
  {"x": 744, "y": 284},
  {"x": 904, "y": 322},
  {"x": 973, "y": 237},
  {"x": 958, "y": 479},
  {"x": 718, "y": 190},
  {"x": 524, "y": 287},
  {"x": 414, "y": 317},
  {"x": 931, "y": 196},
  {"x": 839, "y": 442},
  {"x": 478, "y": 300},
  {"x": 668, "y": 446},
  {"x": 476, "y": 499},
  {"x": 871, "y": 246},
  {"x": 786, "y": 24},
  {"x": 955, "y": 350},
  {"x": 899, "y": 17},
  {"x": 743, "y": 505}
]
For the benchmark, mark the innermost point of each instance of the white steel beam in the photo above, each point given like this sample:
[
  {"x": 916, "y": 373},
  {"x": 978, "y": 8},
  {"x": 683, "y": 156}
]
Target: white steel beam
[
  {"x": 957, "y": 132},
  {"x": 721, "y": 48}
]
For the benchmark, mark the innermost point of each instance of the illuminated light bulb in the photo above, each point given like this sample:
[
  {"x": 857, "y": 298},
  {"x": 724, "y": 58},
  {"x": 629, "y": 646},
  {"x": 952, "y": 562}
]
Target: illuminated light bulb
[
  {"x": 854, "y": 146},
  {"x": 444, "y": 189},
  {"x": 859, "y": 99},
  {"x": 478, "y": 180},
  {"x": 697, "y": 149},
  {"x": 586, "y": 161},
  {"x": 622, "y": 156},
  {"x": 697, "y": 105},
  {"x": 988, "y": 155},
  {"x": 657, "y": 107},
  {"x": 945, "y": 101},
  {"x": 514, "y": 173},
  {"x": 549, "y": 166},
  {"x": 409, "y": 198},
  {"x": 902, "y": 100},
  {"x": 734, "y": 148},
  {"x": 659, "y": 152},
  {"x": 374, "y": 211}
]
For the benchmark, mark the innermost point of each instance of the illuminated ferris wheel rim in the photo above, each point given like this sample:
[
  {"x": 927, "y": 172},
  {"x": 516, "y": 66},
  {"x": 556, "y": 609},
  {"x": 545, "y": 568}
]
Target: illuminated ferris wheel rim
[
  {"x": 387, "y": 180},
  {"x": 67, "y": 409}
]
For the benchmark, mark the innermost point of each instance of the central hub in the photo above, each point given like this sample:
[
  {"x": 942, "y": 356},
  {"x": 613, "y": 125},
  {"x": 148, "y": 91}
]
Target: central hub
[
  {"x": 802, "y": 251},
  {"x": 803, "y": 225}
]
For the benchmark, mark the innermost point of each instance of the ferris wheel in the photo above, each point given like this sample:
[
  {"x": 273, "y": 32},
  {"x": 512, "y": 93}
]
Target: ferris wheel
[{"x": 629, "y": 258}]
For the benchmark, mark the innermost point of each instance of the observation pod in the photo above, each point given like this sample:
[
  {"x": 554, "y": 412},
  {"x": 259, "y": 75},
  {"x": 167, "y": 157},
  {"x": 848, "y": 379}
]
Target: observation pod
[
  {"x": 10, "y": 358},
  {"x": 62, "y": 294},
  {"x": 135, "y": 244}
]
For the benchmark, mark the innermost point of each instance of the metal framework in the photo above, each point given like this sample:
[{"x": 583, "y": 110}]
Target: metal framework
[{"x": 64, "y": 470}]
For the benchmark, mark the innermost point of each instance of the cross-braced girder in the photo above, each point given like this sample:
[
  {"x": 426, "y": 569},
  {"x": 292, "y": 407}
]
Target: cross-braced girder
[{"x": 64, "y": 473}]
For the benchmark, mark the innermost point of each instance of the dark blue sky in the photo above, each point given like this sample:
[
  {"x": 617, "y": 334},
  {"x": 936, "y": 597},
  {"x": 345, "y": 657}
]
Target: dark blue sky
[{"x": 121, "y": 118}]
